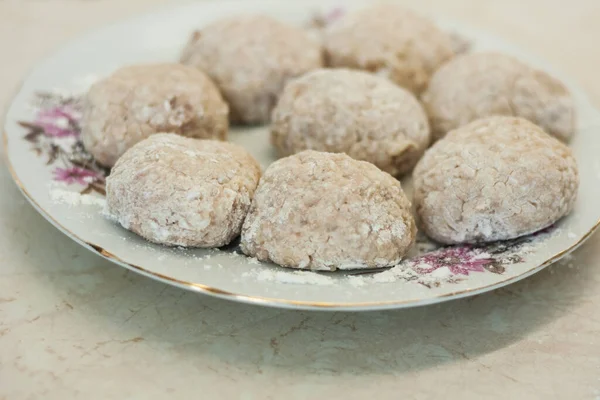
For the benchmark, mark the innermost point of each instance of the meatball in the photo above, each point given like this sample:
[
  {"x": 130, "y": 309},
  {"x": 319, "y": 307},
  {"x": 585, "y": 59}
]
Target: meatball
[
  {"x": 353, "y": 112},
  {"x": 390, "y": 41},
  {"x": 138, "y": 101},
  {"x": 481, "y": 85},
  {"x": 325, "y": 211},
  {"x": 496, "y": 178},
  {"x": 178, "y": 191},
  {"x": 251, "y": 58}
]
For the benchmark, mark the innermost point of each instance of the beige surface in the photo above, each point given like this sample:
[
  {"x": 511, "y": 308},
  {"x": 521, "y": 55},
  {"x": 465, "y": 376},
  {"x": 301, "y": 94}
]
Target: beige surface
[{"x": 75, "y": 326}]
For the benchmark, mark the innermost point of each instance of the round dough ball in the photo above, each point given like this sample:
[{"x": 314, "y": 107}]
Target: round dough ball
[
  {"x": 496, "y": 178},
  {"x": 251, "y": 58},
  {"x": 325, "y": 211},
  {"x": 481, "y": 85},
  {"x": 391, "y": 41},
  {"x": 353, "y": 112},
  {"x": 178, "y": 191},
  {"x": 138, "y": 101}
]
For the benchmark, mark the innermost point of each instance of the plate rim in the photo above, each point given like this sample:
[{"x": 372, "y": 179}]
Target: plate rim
[{"x": 225, "y": 294}]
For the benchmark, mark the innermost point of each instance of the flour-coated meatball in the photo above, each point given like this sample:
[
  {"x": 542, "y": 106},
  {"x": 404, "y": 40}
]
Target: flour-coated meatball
[
  {"x": 353, "y": 112},
  {"x": 178, "y": 191},
  {"x": 326, "y": 211},
  {"x": 391, "y": 41},
  {"x": 251, "y": 57},
  {"x": 496, "y": 178},
  {"x": 140, "y": 100},
  {"x": 481, "y": 85}
]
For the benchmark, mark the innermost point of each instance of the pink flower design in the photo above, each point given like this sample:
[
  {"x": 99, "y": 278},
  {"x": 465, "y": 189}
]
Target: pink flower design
[
  {"x": 75, "y": 175},
  {"x": 58, "y": 121},
  {"x": 459, "y": 260}
]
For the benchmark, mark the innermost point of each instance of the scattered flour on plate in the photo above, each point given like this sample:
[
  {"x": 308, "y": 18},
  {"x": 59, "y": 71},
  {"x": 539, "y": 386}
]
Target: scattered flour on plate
[
  {"x": 413, "y": 273},
  {"x": 294, "y": 277},
  {"x": 73, "y": 199},
  {"x": 253, "y": 260},
  {"x": 441, "y": 273},
  {"x": 356, "y": 281},
  {"x": 395, "y": 274}
]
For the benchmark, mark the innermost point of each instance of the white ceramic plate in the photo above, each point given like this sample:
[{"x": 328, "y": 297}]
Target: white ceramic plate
[{"x": 445, "y": 274}]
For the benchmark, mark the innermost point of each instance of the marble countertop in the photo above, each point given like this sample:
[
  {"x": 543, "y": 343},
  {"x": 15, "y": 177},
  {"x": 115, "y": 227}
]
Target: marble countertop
[{"x": 75, "y": 326}]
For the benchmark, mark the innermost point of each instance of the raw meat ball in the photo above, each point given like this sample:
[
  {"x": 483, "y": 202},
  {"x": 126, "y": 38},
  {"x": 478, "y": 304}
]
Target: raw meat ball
[
  {"x": 251, "y": 58},
  {"x": 481, "y": 85},
  {"x": 138, "y": 101},
  {"x": 496, "y": 178},
  {"x": 353, "y": 112},
  {"x": 325, "y": 211},
  {"x": 182, "y": 192},
  {"x": 391, "y": 41}
]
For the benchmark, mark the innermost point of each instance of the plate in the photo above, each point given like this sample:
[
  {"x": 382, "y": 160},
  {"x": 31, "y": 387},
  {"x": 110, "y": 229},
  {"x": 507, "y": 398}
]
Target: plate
[{"x": 51, "y": 169}]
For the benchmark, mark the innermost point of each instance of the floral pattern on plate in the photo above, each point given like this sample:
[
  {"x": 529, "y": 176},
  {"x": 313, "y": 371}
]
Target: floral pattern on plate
[
  {"x": 431, "y": 265},
  {"x": 55, "y": 133}
]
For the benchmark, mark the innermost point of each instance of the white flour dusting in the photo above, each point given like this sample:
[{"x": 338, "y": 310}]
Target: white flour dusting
[
  {"x": 73, "y": 199},
  {"x": 295, "y": 277},
  {"x": 356, "y": 281},
  {"x": 399, "y": 273},
  {"x": 393, "y": 275},
  {"x": 441, "y": 273}
]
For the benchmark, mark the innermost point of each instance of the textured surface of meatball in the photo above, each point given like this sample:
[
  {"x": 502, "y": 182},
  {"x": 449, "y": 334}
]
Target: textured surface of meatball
[
  {"x": 353, "y": 112},
  {"x": 391, "y": 41},
  {"x": 138, "y": 101},
  {"x": 496, "y": 178},
  {"x": 481, "y": 85},
  {"x": 326, "y": 211},
  {"x": 251, "y": 58},
  {"x": 182, "y": 192}
]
